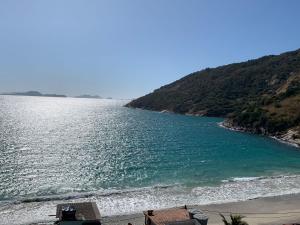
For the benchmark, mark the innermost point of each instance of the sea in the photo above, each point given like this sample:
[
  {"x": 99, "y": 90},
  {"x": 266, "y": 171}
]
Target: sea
[{"x": 55, "y": 150}]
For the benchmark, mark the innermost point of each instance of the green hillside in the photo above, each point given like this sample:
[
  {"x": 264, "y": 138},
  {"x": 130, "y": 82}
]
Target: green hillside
[{"x": 261, "y": 95}]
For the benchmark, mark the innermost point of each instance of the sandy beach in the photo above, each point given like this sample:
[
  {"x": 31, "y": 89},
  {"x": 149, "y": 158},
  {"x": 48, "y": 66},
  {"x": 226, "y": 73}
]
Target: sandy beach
[{"x": 269, "y": 211}]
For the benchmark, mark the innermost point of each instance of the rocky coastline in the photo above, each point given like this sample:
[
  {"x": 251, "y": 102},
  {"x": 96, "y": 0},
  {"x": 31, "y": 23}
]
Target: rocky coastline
[{"x": 289, "y": 137}]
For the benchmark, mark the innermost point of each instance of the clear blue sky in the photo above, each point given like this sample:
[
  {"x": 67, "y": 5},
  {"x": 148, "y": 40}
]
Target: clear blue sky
[{"x": 127, "y": 48}]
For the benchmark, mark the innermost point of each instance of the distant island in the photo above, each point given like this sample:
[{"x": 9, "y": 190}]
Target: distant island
[
  {"x": 39, "y": 94},
  {"x": 33, "y": 93},
  {"x": 89, "y": 96},
  {"x": 260, "y": 96}
]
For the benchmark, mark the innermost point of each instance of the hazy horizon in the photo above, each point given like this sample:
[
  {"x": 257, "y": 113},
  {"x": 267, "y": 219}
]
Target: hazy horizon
[{"x": 125, "y": 49}]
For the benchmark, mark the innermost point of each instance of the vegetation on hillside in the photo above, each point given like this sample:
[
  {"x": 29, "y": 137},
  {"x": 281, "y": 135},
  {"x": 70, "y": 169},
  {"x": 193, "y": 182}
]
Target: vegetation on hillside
[{"x": 261, "y": 95}]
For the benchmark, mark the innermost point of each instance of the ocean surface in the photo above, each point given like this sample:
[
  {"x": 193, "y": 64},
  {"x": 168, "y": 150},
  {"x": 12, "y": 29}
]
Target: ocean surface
[{"x": 54, "y": 150}]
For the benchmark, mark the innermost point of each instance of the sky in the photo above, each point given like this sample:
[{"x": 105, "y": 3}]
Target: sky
[{"x": 128, "y": 48}]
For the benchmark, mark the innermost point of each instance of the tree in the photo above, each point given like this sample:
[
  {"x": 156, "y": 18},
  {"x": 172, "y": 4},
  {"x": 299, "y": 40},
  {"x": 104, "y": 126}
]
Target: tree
[{"x": 235, "y": 220}]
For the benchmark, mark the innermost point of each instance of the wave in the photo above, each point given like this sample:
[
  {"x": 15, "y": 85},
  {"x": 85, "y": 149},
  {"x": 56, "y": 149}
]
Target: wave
[
  {"x": 79, "y": 195},
  {"x": 233, "y": 183},
  {"x": 127, "y": 201},
  {"x": 241, "y": 179},
  {"x": 246, "y": 179}
]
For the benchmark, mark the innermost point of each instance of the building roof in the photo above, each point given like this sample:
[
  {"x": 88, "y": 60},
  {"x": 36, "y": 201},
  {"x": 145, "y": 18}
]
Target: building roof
[
  {"x": 163, "y": 217},
  {"x": 84, "y": 210}
]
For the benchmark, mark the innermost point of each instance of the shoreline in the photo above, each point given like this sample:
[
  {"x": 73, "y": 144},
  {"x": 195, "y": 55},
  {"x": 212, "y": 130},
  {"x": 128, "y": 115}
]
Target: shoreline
[
  {"x": 274, "y": 210},
  {"x": 285, "y": 139},
  {"x": 113, "y": 214}
]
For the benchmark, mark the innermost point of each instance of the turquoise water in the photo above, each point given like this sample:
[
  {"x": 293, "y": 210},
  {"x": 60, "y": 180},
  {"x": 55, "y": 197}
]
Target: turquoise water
[{"x": 128, "y": 160}]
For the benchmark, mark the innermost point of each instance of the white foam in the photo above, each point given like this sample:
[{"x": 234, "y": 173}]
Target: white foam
[
  {"x": 118, "y": 202},
  {"x": 245, "y": 178},
  {"x": 241, "y": 179}
]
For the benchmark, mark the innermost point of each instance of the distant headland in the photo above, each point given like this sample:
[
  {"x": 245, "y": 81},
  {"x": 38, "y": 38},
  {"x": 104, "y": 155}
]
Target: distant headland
[
  {"x": 89, "y": 96},
  {"x": 33, "y": 93},
  {"x": 39, "y": 94}
]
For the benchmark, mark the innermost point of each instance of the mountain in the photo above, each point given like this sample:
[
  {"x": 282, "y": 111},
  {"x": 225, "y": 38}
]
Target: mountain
[
  {"x": 33, "y": 93},
  {"x": 260, "y": 95}
]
